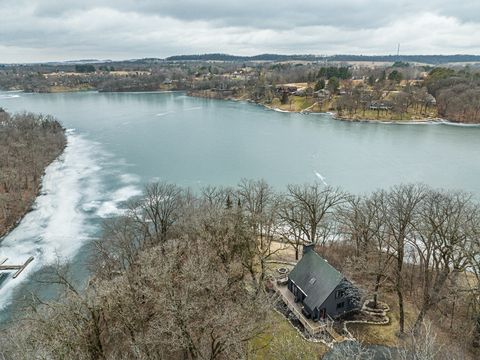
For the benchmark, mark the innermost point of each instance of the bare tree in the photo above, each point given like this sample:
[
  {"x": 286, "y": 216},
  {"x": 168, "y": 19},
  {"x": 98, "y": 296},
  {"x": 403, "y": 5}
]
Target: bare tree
[
  {"x": 422, "y": 345},
  {"x": 118, "y": 248},
  {"x": 260, "y": 203},
  {"x": 364, "y": 221},
  {"x": 444, "y": 240},
  {"x": 184, "y": 298},
  {"x": 291, "y": 215},
  {"x": 350, "y": 350},
  {"x": 158, "y": 210},
  {"x": 315, "y": 203},
  {"x": 256, "y": 198},
  {"x": 474, "y": 287},
  {"x": 401, "y": 211},
  {"x": 77, "y": 313}
]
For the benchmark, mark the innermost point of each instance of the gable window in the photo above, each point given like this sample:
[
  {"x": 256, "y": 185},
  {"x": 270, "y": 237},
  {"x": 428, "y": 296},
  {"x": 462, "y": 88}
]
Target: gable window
[
  {"x": 340, "y": 294},
  {"x": 340, "y": 305}
]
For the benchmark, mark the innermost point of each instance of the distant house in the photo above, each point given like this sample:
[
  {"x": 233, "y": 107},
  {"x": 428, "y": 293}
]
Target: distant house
[
  {"x": 322, "y": 93},
  {"x": 377, "y": 105},
  {"x": 301, "y": 92},
  {"x": 323, "y": 291},
  {"x": 286, "y": 89},
  {"x": 430, "y": 100}
]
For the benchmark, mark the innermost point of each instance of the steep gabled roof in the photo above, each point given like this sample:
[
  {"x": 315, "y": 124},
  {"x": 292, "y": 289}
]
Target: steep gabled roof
[{"x": 316, "y": 278}]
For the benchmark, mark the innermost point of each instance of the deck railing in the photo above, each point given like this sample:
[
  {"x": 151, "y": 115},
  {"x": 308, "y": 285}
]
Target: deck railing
[{"x": 311, "y": 329}]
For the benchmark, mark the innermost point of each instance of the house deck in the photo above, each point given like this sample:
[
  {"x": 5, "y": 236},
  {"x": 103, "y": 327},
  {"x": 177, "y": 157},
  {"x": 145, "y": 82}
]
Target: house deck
[{"x": 312, "y": 327}]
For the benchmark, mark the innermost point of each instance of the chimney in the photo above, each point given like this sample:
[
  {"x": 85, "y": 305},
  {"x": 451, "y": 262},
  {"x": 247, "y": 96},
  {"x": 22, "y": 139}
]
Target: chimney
[{"x": 308, "y": 247}]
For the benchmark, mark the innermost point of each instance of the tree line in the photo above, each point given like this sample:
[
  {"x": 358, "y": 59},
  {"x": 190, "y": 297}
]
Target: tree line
[
  {"x": 429, "y": 59},
  {"x": 183, "y": 275}
]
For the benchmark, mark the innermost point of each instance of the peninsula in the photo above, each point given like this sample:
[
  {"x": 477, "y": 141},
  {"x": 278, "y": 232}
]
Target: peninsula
[{"x": 28, "y": 144}]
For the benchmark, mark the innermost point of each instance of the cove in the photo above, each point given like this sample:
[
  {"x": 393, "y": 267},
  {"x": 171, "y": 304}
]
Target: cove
[{"x": 119, "y": 141}]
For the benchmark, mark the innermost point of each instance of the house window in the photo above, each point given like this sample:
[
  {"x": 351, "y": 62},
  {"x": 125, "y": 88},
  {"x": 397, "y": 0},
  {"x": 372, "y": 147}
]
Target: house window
[
  {"x": 340, "y": 305},
  {"x": 339, "y": 294}
]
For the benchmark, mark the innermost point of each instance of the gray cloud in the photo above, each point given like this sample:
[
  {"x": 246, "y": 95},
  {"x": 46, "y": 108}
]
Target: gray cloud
[
  {"x": 278, "y": 14},
  {"x": 38, "y": 30}
]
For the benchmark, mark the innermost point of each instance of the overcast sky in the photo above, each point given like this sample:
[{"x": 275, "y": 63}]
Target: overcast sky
[{"x": 48, "y": 30}]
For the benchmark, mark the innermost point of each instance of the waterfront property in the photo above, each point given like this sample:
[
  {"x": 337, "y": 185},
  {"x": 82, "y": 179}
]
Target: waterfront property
[
  {"x": 108, "y": 158},
  {"x": 377, "y": 105},
  {"x": 322, "y": 291}
]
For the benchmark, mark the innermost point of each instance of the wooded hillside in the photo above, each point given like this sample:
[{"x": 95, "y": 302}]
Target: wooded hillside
[
  {"x": 28, "y": 143},
  {"x": 185, "y": 276}
]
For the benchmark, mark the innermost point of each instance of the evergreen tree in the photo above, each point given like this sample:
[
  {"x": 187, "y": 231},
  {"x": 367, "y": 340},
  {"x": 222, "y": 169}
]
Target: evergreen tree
[
  {"x": 320, "y": 85},
  {"x": 229, "y": 202}
]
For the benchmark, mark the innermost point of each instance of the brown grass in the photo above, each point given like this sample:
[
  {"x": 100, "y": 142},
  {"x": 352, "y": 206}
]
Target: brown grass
[{"x": 262, "y": 346}]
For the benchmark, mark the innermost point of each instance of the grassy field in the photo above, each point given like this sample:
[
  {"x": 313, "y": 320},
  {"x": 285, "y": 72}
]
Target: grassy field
[
  {"x": 295, "y": 104},
  {"x": 61, "y": 89}
]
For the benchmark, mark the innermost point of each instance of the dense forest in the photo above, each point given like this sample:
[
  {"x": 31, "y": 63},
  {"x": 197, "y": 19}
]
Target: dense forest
[
  {"x": 28, "y": 143},
  {"x": 457, "y": 93},
  {"x": 185, "y": 276}
]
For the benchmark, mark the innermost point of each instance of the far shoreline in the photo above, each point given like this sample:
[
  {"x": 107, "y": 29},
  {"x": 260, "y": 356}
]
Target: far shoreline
[{"x": 335, "y": 116}]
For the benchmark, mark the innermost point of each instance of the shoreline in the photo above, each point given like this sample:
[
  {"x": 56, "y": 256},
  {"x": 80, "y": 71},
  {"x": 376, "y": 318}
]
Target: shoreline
[
  {"x": 335, "y": 116},
  {"x": 33, "y": 196},
  {"x": 32, "y": 201}
]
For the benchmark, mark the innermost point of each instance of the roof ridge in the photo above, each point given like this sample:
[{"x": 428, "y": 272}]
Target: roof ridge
[
  {"x": 326, "y": 262},
  {"x": 327, "y": 278}
]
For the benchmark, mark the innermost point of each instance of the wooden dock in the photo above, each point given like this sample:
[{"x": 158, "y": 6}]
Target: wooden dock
[{"x": 19, "y": 268}]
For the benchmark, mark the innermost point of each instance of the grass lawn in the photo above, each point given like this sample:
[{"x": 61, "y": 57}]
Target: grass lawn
[
  {"x": 59, "y": 89},
  {"x": 389, "y": 115},
  {"x": 384, "y": 334},
  {"x": 282, "y": 338},
  {"x": 299, "y": 103},
  {"x": 296, "y": 103}
]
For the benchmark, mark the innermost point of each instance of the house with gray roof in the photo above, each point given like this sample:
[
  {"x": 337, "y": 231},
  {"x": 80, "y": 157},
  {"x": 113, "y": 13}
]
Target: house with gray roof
[{"x": 321, "y": 289}]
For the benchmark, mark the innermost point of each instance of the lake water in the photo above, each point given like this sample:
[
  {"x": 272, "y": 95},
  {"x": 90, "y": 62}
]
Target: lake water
[{"x": 117, "y": 142}]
